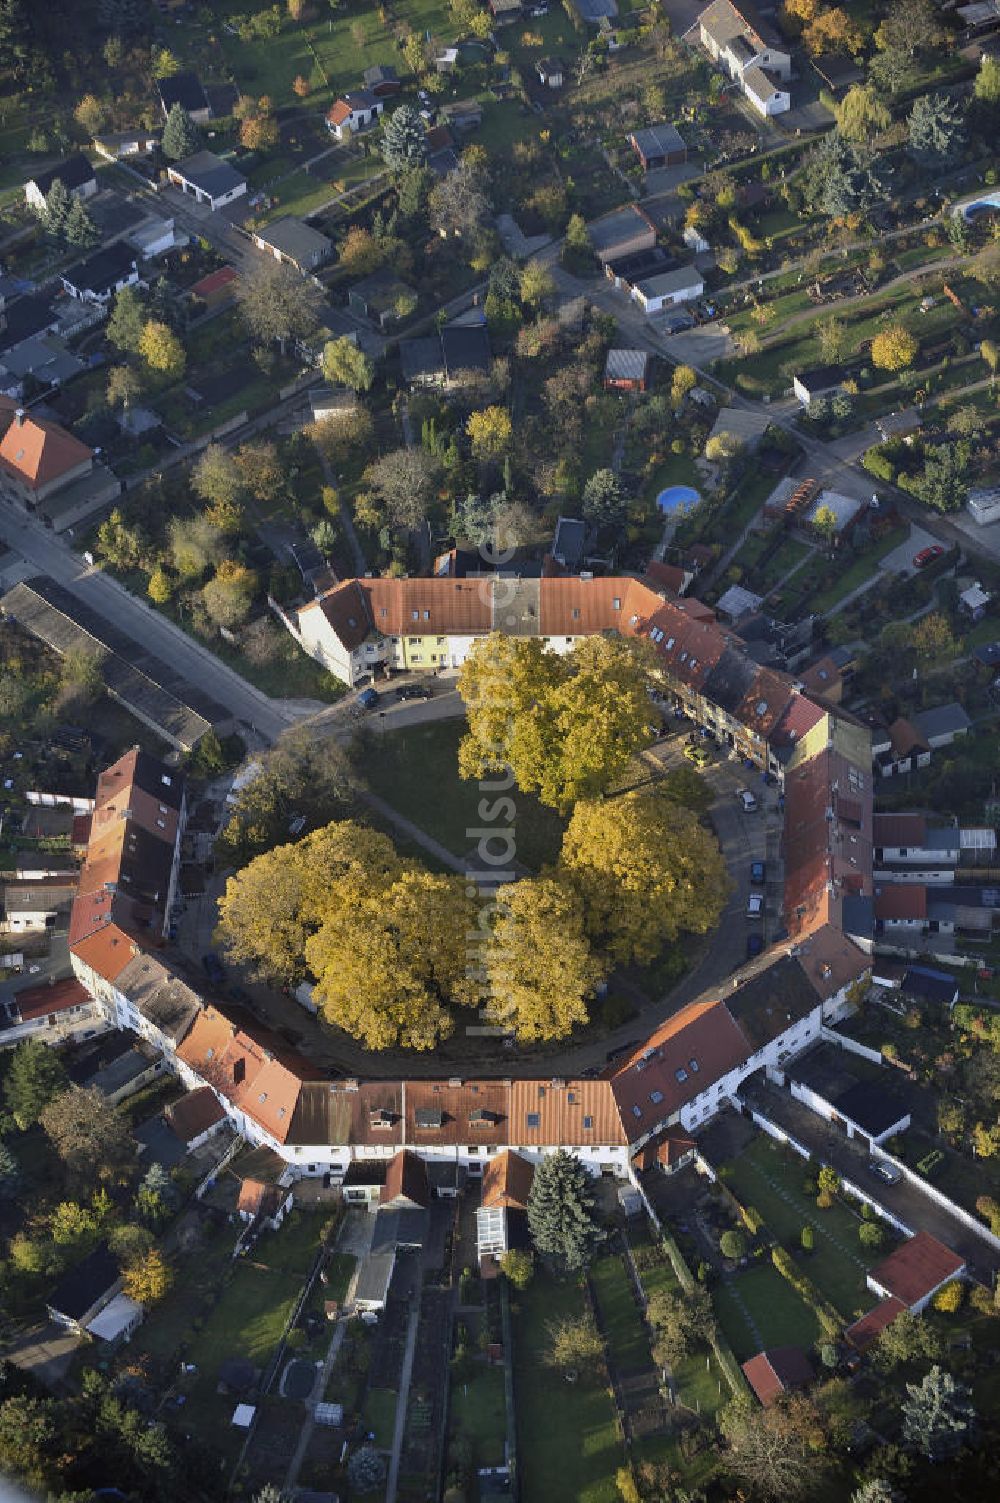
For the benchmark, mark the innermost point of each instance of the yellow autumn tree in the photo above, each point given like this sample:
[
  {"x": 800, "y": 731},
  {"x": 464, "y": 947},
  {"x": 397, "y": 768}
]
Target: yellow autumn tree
[
  {"x": 645, "y": 870},
  {"x": 490, "y": 432},
  {"x": 271, "y": 908},
  {"x": 161, "y": 349},
  {"x": 540, "y": 969},
  {"x": 148, "y": 1278},
  {"x": 894, "y": 349},
  {"x": 833, "y": 31},
  {"x": 390, "y": 964}
]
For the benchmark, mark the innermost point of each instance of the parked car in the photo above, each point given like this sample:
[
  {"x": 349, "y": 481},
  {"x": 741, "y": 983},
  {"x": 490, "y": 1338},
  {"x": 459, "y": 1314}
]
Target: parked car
[
  {"x": 747, "y": 801},
  {"x": 755, "y": 944},
  {"x": 886, "y": 1172},
  {"x": 622, "y": 1049},
  {"x": 213, "y": 968},
  {"x": 678, "y": 323},
  {"x": 755, "y": 906},
  {"x": 699, "y": 755},
  {"x": 758, "y": 873},
  {"x": 414, "y": 691},
  {"x": 927, "y": 556}
]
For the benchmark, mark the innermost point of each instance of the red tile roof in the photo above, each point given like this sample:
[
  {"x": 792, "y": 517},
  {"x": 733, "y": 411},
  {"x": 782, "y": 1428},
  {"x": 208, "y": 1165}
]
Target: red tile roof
[
  {"x": 38, "y": 452},
  {"x": 682, "y": 1058},
  {"x": 665, "y": 576},
  {"x": 774, "y": 1372},
  {"x": 38, "y": 1001},
  {"x": 564, "y": 1114},
  {"x": 916, "y": 1269},
  {"x": 471, "y": 1111},
  {"x": 195, "y": 1113},
  {"x": 906, "y": 738},
  {"x": 901, "y": 900},
  {"x": 215, "y": 281},
  {"x": 864, "y": 1331},
  {"x": 507, "y": 1181},
  {"x": 406, "y": 1179},
  {"x": 899, "y": 829}
]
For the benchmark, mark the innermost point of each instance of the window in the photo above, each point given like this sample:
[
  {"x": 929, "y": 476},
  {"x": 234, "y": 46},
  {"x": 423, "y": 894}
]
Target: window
[
  {"x": 670, "y": 642},
  {"x": 413, "y": 641},
  {"x": 427, "y": 615},
  {"x": 163, "y": 808},
  {"x": 637, "y": 1111},
  {"x": 588, "y": 1123},
  {"x": 656, "y": 1097},
  {"x": 680, "y": 1076},
  {"x": 694, "y": 1065},
  {"x": 383, "y": 612},
  {"x": 415, "y": 615},
  {"x": 617, "y": 602},
  {"x": 576, "y": 613},
  {"x": 534, "y": 1120}
]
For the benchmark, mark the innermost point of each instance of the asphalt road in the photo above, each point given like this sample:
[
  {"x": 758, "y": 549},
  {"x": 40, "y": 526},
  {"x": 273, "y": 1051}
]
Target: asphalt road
[{"x": 48, "y": 555}]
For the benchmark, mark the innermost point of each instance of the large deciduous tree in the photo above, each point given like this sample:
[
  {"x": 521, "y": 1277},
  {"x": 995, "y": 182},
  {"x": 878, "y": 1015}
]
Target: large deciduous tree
[
  {"x": 161, "y": 349},
  {"x": 574, "y": 1345},
  {"x": 277, "y": 304},
  {"x": 567, "y": 727},
  {"x": 89, "y": 1135},
  {"x": 271, "y": 909},
  {"x": 561, "y": 1215},
  {"x": 540, "y": 970},
  {"x": 390, "y": 964},
  {"x": 679, "y": 1321},
  {"x": 458, "y": 204},
  {"x": 645, "y": 870},
  {"x": 346, "y": 364},
  {"x": 404, "y": 482},
  {"x": 773, "y": 1451},
  {"x": 894, "y": 348}
]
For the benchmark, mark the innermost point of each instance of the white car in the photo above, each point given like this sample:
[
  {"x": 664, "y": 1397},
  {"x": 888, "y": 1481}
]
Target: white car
[
  {"x": 747, "y": 801},
  {"x": 755, "y": 906}
]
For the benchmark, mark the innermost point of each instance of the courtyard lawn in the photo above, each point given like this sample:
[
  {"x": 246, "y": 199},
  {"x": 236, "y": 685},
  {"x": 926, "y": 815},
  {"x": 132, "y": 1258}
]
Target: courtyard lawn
[
  {"x": 860, "y": 571},
  {"x": 246, "y": 1321},
  {"x": 416, "y": 771},
  {"x": 780, "y": 1317},
  {"x": 623, "y": 1325},
  {"x": 197, "y": 1275},
  {"x": 479, "y": 1412},
  {"x": 773, "y": 1184},
  {"x": 567, "y": 1433},
  {"x": 380, "y": 1416}
]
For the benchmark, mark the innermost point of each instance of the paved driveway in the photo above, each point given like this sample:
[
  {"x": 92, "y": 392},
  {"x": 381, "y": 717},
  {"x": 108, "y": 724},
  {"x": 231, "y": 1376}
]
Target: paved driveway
[
  {"x": 46, "y": 1351},
  {"x": 900, "y": 560}
]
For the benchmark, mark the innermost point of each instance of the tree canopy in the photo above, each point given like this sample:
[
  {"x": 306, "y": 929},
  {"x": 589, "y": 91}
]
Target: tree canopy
[
  {"x": 937, "y": 1415},
  {"x": 88, "y": 1134},
  {"x": 561, "y": 1215},
  {"x": 540, "y": 970},
  {"x": 278, "y": 304},
  {"x": 645, "y": 871},
  {"x": 404, "y": 139},
  {"x": 35, "y": 1077},
  {"x": 566, "y": 726},
  {"x": 181, "y": 137}
]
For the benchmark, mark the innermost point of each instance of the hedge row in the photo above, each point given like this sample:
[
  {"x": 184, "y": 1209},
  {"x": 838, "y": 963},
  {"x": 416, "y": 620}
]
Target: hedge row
[{"x": 807, "y": 1291}]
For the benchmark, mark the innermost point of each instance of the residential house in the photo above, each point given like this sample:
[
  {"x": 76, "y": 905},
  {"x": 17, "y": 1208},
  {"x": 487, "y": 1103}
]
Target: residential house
[
  {"x": 550, "y": 72},
  {"x": 463, "y": 115},
  {"x": 326, "y": 402},
  {"x": 735, "y": 37},
  {"x": 352, "y": 113},
  {"x": 624, "y": 232},
  {"x": 905, "y": 424},
  {"x": 943, "y": 724},
  {"x": 626, "y": 370},
  {"x": 382, "y": 80},
  {"x": 447, "y": 357},
  {"x": 117, "y": 146},
  {"x": 57, "y": 1010},
  {"x": 668, "y": 289},
  {"x": 184, "y": 88},
  {"x": 422, "y": 361},
  {"x": 822, "y": 381},
  {"x": 208, "y": 179},
  {"x": 97, "y": 278},
  {"x": 37, "y": 457},
  {"x": 748, "y": 427},
  {"x": 776, "y": 1372},
  {"x": 297, "y": 244},
  {"x": 196, "y": 1117},
  {"x": 85, "y": 1290},
  {"x": 659, "y": 146},
  {"x": 502, "y": 1216},
  {"x": 900, "y": 747},
  {"x": 36, "y": 363},
  {"x": 380, "y": 297},
  {"x": 76, "y": 175}
]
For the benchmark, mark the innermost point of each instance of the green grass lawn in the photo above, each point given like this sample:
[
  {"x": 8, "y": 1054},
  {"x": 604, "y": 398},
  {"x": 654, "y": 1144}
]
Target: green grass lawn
[
  {"x": 567, "y": 1434},
  {"x": 247, "y": 1320},
  {"x": 623, "y": 1325},
  {"x": 416, "y": 771},
  {"x": 196, "y": 1275},
  {"x": 339, "y": 1268},
  {"x": 291, "y": 1250},
  {"x": 861, "y": 570},
  {"x": 380, "y": 1415},
  {"x": 479, "y": 1412},
  {"x": 780, "y": 1316},
  {"x": 676, "y": 469},
  {"x": 831, "y": 1265}
]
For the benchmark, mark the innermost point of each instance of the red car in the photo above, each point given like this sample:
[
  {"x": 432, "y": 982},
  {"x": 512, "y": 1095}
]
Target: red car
[{"x": 927, "y": 556}]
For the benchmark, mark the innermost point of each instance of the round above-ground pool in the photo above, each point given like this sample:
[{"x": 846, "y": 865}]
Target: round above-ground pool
[{"x": 676, "y": 496}]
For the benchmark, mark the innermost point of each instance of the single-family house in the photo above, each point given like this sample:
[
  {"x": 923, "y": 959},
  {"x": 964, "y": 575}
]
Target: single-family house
[
  {"x": 899, "y": 747},
  {"x": 422, "y": 360},
  {"x": 659, "y": 146},
  {"x": 501, "y": 1217},
  {"x": 185, "y": 88},
  {"x": 822, "y": 381},
  {"x": 76, "y": 175},
  {"x": 778, "y": 1371},
  {"x": 353, "y": 112},
  {"x": 117, "y": 146},
  {"x": 97, "y": 278},
  {"x": 550, "y": 72},
  {"x": 905, "y": 424},
  {"x": 43, "y": 359},
  {"x": 380, "y": 297},
  {"x": 745, "y": 47},
  {"x": 667, "y": 289},
  {"x": 326, "y": 402},
  {"x": 748, "y": 427},
  {"x": 85, "y": 1290},
  {"x": 208, "y": 179},
  {"x": 466, "y": 349},
  {"x": 624, "y": 232},
  {"x": 196, "y": 1116},
  {"x": 37, "y": 457},
  {"x": 626, "y": 370},
  {"x": 983, "y": 504},
  {"x": 290, "y": 240},
  {"x": 382, "y": 80},
  {"x": 943, "y": 724},
  {"x": 60, "y": 1009}
]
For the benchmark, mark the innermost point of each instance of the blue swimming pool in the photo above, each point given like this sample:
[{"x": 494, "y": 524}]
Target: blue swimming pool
[{"x": 676, "y": 496}]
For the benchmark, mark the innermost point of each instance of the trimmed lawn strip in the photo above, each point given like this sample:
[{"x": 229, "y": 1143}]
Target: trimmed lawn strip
[
  {"x": 781, "y": 1317},
  {"x": 567, "y": 1432},
  {"x": 623, "y": 1325},
  {"x": 403, "y": 767},
  {"x": 339, "y": 1268},
  {"x": 479, "y": 1412},
  {"x": 247, "y": 1320},
  {"x": 380, "y": 1416}
]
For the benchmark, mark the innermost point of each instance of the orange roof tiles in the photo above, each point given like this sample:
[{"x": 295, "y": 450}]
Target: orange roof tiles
[
  {"x": 507, "y": 1181},
  {"x": 38, "y": 452},
  {"x": 564, "y": 1114},
  {"x": 695, "y": 1047},
  {"x": 772, "y": 1373},
  {"x": 107, "y": 951}
]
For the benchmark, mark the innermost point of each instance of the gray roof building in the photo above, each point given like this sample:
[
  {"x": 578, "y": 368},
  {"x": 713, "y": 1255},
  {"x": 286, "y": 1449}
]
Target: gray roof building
[
  {"x": 290, "y": 239},
  {"x": 626, "y": 366},
  {"x": 209, "y": 174}
]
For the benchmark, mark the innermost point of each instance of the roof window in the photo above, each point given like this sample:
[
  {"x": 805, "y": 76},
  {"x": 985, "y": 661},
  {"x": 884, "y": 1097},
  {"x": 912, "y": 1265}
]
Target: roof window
[
  {"x": 637, "y": 1111},
  {"x": 617, "y": 602},
  {"x": 588, "y": 1123},
  {"x": 670, "y": 642},
  {"x": 534, "y": 1120},
  {"x": 694, "y": 1066},
  {"x": 680, "y": 1076},
  {"x": 656, "y": 1097}
]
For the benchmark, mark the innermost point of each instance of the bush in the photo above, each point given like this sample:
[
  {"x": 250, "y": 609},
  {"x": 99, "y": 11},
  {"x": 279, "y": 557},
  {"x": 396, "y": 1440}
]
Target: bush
[
  {"x": 824, "y": 1200},
  {"x": 949, "y": 1299},
  {"x": 616, "y": 1010},
  {"x": 808, "y": 1238},
  {"x": 870, "y": 1235},
  {"x": 732, "y": 1244}
]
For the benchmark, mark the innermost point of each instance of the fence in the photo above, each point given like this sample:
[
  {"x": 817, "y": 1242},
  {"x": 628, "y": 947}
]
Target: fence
[
  {"x": 73, "y": 801},
  {"x": 938, "y": 1196},
  {"x": 852, "y": 1046}
]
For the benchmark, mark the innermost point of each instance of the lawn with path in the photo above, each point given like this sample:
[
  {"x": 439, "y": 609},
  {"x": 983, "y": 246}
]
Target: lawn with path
[
  {"x": 567, "y": 1433},
  {"x": 758, "y": 1308},
  {"x": 416, "y": 771}
]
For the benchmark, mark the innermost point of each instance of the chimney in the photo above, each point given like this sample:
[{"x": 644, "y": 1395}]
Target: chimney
[{"x": 19, "y": 417}]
